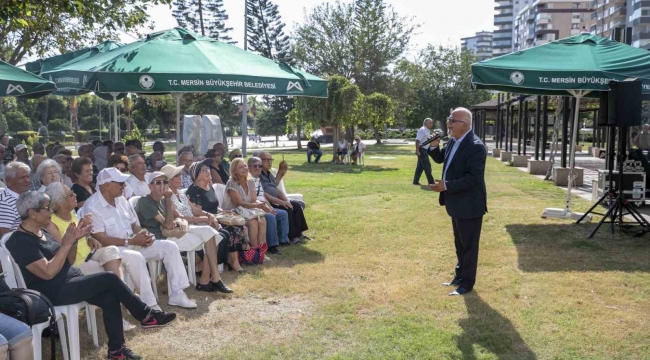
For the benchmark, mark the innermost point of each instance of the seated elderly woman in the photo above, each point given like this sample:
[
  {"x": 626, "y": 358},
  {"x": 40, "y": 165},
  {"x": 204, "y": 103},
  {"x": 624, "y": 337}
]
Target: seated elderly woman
[
  {"x": 15, "y": 339},
  {"x": 218, "y": 173},
  {"x": 236, "y": 153},
  {"x": 119, "y": 161},
  {"x": 82, "y": 168},
  {"x": 203, "y": 201},
  {"x": 91, "y": 257},
  {"x": 240, "y": 195},
  {"x": 156, "y": 213},
  {"x": 49, "y": 172},
  {"x": 46, "y": 267}
]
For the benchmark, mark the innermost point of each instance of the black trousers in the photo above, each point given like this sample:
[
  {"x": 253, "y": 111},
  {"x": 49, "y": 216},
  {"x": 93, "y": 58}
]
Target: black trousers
[
  {"x": 424, "y": 164},
  {"x": 467, "y": 233},
  {"x": 297, "y": 221},
  {"x": 106, "y": 291}
]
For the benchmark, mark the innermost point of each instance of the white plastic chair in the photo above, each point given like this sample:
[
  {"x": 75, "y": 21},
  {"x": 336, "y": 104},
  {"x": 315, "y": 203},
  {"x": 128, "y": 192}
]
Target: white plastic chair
[
  {"x": 284, "y": 190},
  {"x": 71, "y": 312}
]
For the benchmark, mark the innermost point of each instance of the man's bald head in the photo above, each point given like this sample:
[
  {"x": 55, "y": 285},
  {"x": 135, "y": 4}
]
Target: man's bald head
[{"x": 37, "y": 160}]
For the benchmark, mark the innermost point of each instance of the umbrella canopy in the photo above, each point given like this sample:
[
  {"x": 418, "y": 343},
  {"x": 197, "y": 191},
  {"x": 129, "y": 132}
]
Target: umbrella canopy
[
  {"x": 20, "y": 83},
  {"x": 582, "y": 62},
  {"x": 43, "y": 65},
  {"x": 181, "y": 61}
]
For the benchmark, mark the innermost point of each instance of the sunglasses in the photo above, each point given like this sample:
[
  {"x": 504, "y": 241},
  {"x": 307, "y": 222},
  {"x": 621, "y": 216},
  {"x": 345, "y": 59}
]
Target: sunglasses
[
  {"x": 238, "y": 156},
  {"x": 119, "y": 183},
  {"x": 258, "y": 166},
  {"x": 160, "y": 182}
]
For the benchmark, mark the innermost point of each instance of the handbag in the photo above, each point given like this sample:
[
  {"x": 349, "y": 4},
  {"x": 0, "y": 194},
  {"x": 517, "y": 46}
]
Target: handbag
[
  {"x": 231, "y": 219},
  {"x": 178, "y": 231},
  {"x": 30, "y": 307},
  {"x": 254, "y": 255},
  {"x": 249, "y": 214}
]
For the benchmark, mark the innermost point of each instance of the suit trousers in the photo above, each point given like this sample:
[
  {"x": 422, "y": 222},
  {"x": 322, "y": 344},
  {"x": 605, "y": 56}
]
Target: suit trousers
[
  {"x": 424, "y": 164},
  {"x": 467, "y": 233}
]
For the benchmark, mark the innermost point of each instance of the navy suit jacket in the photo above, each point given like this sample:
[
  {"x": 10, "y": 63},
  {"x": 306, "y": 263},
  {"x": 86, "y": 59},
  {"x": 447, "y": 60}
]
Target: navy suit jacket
[{"x": 466, "y": 195}]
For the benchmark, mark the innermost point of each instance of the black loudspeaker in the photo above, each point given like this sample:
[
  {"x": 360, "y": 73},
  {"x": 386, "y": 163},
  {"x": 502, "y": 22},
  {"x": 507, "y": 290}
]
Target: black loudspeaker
[
  {"x": 624, "y": 103},
  {"x": 602, "y": 110}
]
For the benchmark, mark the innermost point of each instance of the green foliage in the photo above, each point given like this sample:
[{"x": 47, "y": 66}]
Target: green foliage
[
  {"x": 265, "y": 31},
  {"x": 90, "y": 122},
  {"x": 16, "y": 121},
  {"x": 82, "y": 136},
  {"x": 27, "y": 137},
  {"x": 270, "y": 122},
  {"x": 135, "y": 134},
  {"x": 39, "y": 28},
  {"x": 58, "y": 125}
]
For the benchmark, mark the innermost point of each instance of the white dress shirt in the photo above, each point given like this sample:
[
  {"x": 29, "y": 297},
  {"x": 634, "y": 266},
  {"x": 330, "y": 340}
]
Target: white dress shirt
[
  {"x": 138, "y": 188},
  {"x": 423, "y": 135},
  {"x": 114, "y": 221}
]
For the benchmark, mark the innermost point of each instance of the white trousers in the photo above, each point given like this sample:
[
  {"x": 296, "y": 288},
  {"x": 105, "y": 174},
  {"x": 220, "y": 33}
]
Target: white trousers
[
  {"x": 135, "y": 262},
  {"x": 196, "y": 236}
]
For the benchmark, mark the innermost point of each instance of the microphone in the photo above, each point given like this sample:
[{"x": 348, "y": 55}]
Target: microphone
[{"x": 436, "y": 135}]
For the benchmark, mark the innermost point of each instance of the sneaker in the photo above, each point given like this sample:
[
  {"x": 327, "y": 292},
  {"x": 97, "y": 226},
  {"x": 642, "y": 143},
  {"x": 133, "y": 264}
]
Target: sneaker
[
  {"x": 127, "y": 326},
  {"x": 123, "y": 354},
  {"x": 157, "y": 319},
  {"x": 156, "y": 307},
  {"x": 181, "y": 300}
]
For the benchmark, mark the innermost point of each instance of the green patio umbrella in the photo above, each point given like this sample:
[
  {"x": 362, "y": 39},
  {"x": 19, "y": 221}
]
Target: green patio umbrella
[
  {"x": 42, "y": 65},
  {"x": 180, "y": 61},
  {"x": 20, "y": 83},
  {"x": 579, "y": 66}
]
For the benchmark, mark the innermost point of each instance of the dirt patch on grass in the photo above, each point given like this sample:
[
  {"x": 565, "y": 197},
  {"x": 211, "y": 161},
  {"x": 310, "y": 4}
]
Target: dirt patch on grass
[{"x": 251, "y": 321}]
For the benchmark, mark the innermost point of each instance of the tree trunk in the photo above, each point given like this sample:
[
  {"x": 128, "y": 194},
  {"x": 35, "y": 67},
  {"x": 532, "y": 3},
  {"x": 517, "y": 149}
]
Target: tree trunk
[
  {"x": 377, "y": 136},
  {"x": 298, "y": 131},
  {"x": 276, "y": 141},
  {"x": 335, "y": 141}
]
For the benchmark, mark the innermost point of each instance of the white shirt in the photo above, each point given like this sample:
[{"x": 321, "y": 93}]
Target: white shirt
[
  {"x": 9, "y": 218},
  {"x": 343, "y": 144},
  {"x": 114, "y": 221},
  {"x": 362, "y": 146},
  {"x": 259, "y": 189},
  {"x": 66, "y": 180},
  {"x": 138, "y": 188},
  {"x": 423, "y": 135}
]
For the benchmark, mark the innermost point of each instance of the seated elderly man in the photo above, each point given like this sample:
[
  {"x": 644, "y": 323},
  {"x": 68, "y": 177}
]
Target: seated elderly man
[
  {"x": 277, "y": 222},
  {"x": 358, "y": 149},
  {"x": 157, "y": 212},
  {"x": 155, "y": 162},
  {"x": 22, "y": 154},
  {"x": 35, "y": 180},
  {"x": 277, "y": 198},
  {"x": 17, "y": 177},
  {"x": 313, "y": 148},
  {"x": 136, "y": 184},
  {"x": 185, "y": 159},
  {"x": 116, "y": 223}
]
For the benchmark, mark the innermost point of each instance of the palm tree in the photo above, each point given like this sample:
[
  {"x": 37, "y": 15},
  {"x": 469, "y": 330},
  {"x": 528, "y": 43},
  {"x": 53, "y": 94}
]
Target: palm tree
[{"x": 128, "y": 108}]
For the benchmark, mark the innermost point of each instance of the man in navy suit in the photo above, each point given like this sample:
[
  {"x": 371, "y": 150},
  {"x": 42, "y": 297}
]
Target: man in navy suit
[{"x": 462, "y": 192}]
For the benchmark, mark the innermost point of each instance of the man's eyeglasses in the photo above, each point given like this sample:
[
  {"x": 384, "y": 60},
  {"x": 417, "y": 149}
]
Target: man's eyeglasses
[
  {"x": 238, "y": 156},
  {"x": 44, "y": 208},
  {"x": 451, "y": 120},
  {"x": 257, "y": 166},
  {"x": 161, "y": 182},
  {"x": 271, "y": 159}
]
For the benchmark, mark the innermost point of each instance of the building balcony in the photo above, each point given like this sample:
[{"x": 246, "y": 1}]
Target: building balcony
[
  {"x": 541, "y": 42},
  {"x": 641, "y": 36},
  {"x": 502, "y": 46},
  {"x": 499, "y": 19}
]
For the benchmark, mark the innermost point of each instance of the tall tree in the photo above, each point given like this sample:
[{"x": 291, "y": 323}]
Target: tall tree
[
  {"x": 360, "y": 41},
  {"x": 45, "y": 27},
  {"x": 377, "y": 112},
  {"x": 206, "y": 17},
  {"x": 266, "y": 36}
]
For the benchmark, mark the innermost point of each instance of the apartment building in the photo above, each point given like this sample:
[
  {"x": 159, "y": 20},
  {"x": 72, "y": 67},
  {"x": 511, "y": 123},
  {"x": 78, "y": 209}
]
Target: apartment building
[
  {"x": 547, "y": 20},
  {"x": 480, "y": 45},
  {"x": 626, "y": 21},
  {"x": 506, "y": 10}
]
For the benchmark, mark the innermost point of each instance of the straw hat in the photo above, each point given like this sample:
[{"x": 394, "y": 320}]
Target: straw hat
[{"x": 170, "y": 171}]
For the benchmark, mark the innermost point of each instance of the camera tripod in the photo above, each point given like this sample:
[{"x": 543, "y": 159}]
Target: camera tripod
[{"x": 619, "y": 207}]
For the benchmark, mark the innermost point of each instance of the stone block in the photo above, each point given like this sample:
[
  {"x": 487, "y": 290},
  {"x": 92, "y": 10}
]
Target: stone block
[
  {"x": 537, "y": 167},
  {"x": 520, "y": 160},
  {"x": 561, "y": 176},
  {"x": 496, "y": 152},
  {"x": 506, "y": 155}
]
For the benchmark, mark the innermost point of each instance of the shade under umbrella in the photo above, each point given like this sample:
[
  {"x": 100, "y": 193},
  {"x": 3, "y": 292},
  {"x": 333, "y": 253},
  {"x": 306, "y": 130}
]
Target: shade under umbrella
[
  {"x": 579, "y": 66},
  {"x": 20, "y": 83}
]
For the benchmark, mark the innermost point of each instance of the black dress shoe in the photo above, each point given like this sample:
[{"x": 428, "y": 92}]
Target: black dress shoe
[
  {"x": 207, "y": 287},
  {"x": 418, "y": 184},
  {"x": 459, "y": 291},
  {"x": 221, "y": 287},
  {"x": 454, "y": 282},
  {"x": 274, "y": 250}
]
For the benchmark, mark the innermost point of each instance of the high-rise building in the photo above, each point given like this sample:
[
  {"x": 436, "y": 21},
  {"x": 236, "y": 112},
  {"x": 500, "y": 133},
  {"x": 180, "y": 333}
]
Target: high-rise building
[
  {"x": 504, "y": 22},
  {"x": 626, "y": 21},
  {"x": 547, "y": 20},
  {"x": 480, "y": 45}
]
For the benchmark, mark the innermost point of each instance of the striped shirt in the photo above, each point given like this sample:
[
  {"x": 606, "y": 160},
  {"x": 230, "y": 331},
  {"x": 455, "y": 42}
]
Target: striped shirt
[{"x": 9, "y": 218}]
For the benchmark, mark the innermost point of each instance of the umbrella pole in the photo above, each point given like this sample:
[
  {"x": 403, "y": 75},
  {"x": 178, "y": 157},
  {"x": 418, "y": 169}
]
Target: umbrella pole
[
  {"x": 244, "y": 125},
  {"x": 566, "y": 212},
  {"x": 117, "y": 131},
  {"x": 178, "y": 122}
]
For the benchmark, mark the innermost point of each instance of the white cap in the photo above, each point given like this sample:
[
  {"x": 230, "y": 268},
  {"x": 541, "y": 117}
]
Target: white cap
[
  {"x": 110, "y": 174},
  {"x": 149, "y": 177},
  {"x": 20, "y": 147}
]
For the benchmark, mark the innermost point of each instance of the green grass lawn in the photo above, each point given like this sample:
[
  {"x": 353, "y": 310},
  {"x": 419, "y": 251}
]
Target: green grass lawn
[{"x": 368, "y": 286}]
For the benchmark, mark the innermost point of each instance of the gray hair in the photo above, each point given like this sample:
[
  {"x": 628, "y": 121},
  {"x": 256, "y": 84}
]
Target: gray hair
[
  {"x": 186, "y": 153},
  {"x": 46, "y": 164},
  {"x": 56, "y": 192},
  {"x": 253, "y": 159},
  {"x": 12, "y": 169},
  {"x": 424, "y": 123},
  {"x": 466, "y": 112},
  {"x": 257, "y": 153},
  {"x": 30, "y": 200},
  {"x": 134, "y": 157},
  {"x": 60, "y": 156}
]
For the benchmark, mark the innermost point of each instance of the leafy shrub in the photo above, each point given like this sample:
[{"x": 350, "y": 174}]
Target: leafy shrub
[
  {"x": 58, "y": 125},
  {"x": 17, "y": 121},
  {"x": 27, "y": 137}
]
